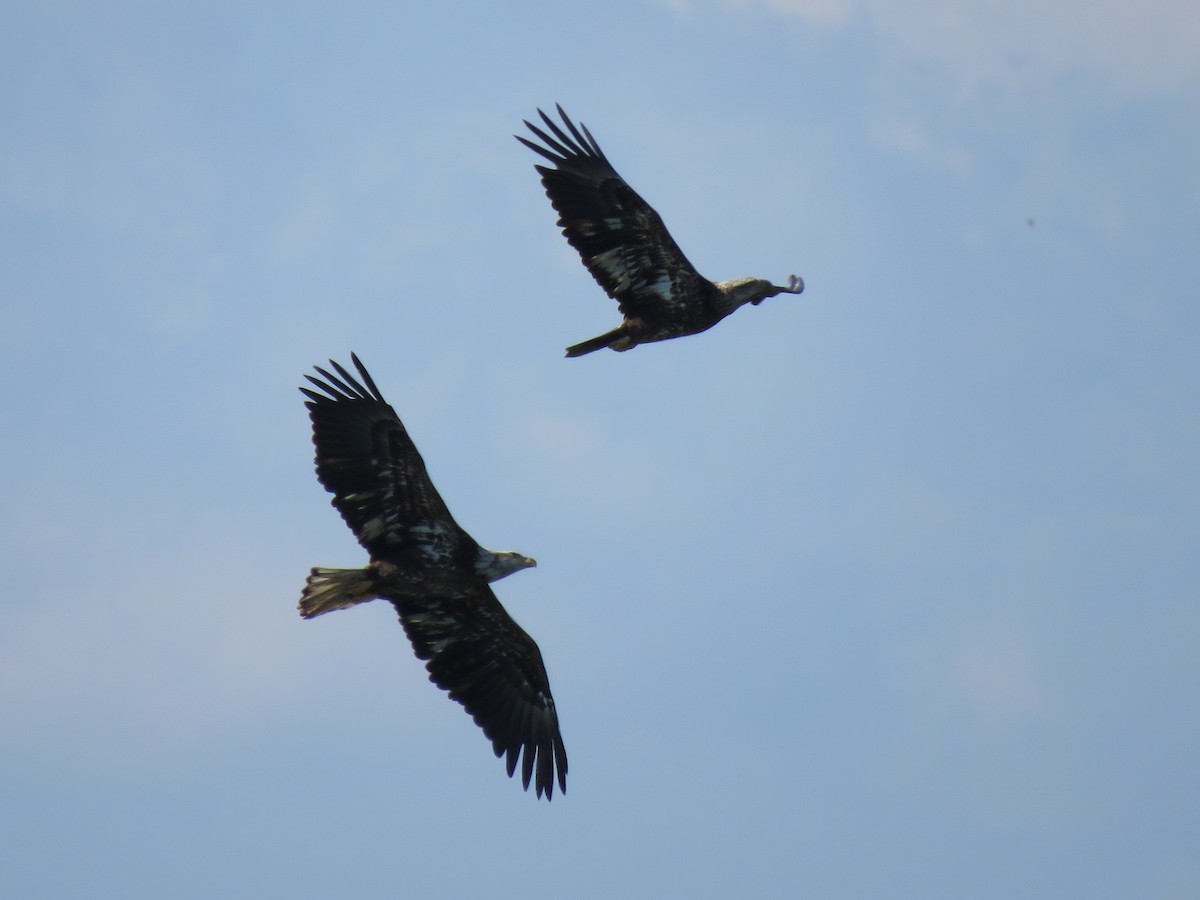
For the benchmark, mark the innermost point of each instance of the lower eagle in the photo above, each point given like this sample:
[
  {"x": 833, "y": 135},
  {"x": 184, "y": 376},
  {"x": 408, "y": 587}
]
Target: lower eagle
[{"x": 434, "y": 573}]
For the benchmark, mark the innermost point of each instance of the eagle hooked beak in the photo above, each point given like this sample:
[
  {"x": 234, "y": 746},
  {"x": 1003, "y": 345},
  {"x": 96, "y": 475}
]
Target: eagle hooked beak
[{"x": 795, "y": 285}]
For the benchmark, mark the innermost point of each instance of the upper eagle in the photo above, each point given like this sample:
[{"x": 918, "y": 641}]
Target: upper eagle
[
  {"x": 628, "y": 250},
  {"x": 432, "y": 571}
]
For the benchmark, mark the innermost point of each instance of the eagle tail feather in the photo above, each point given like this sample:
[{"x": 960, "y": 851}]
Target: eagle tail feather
[
  {"x": 328, "y": 589},
  {"x": 618, "y": 339}
]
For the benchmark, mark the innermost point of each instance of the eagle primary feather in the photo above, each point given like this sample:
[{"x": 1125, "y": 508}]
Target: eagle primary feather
[
  {"x": 628, "y": 250},
  {"x": 433, "y": 572}
]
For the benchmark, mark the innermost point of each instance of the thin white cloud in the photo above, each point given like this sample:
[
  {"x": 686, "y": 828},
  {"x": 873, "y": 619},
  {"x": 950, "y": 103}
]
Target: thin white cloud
[
  {"x": 1134, "y": 47},
  {"x": 994, "y": 671},
  {"x": 576, "y": 455},
  {"x": 985, "y": 674},
  {"x": 912, "y": 138},
  {"x": 135, "y": 661},
  {"x": 828, "y": 12}
]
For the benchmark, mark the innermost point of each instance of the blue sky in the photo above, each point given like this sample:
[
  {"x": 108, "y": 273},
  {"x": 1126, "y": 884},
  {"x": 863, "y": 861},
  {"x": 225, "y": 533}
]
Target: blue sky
[{"x": 879, "y": 591}]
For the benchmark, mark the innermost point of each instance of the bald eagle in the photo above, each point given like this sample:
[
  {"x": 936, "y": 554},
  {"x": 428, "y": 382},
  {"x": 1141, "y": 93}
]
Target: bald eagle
[
  {"x": 628, "y": 250},
  {"x": 433, "y": 572}
]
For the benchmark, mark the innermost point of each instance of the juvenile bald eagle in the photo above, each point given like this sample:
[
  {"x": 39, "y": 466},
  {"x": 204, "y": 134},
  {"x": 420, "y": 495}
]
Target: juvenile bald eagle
[
  {"x": 432, "y": 571},
  {"x": 628, "y": 250}
]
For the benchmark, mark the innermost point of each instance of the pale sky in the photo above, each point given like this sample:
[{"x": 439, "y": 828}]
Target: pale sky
[{"x": 887, "y": 590}]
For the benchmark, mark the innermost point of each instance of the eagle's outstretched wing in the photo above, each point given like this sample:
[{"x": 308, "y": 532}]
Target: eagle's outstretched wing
[
  {"x": 620, "y": 237},
  {"x": 475, "y": 651},
  {"x": 366, "y": 459}
]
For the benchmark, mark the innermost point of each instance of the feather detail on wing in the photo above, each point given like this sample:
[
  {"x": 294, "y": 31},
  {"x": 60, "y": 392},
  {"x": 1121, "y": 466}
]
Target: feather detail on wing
[
  {"x": 366, "y": 459},
  {"x": 485, "y": 660},
  {"x": 622, "y": 240}
]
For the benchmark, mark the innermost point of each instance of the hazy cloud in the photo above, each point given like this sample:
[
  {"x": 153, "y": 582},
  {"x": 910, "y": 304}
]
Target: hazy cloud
[
  {"x": 1135, "y": 47},
  {"x": 577, "y": 455},
  {"x": 134, "y": 661},
  {"x": 994, "y": 670}
]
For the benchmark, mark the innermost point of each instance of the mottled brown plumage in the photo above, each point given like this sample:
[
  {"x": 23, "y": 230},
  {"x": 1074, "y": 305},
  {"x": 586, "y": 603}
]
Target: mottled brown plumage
[
  {"x": 433, "y": 572},
  {"x": 628, "y": 250}
]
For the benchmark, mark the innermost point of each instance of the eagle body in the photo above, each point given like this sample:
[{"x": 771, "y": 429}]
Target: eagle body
[
  {"x": 435, "y": 575},
  {"x": 623, "y": 242}
]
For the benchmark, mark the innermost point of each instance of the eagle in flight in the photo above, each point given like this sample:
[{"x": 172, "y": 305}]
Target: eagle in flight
[
  {"x": 628, "y": 250},
  {"x": 432, "y": 571}
]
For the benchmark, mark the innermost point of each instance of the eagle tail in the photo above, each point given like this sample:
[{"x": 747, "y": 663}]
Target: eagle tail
[
  {"x": 328, "y": 589},
  {"x": 618, "y": 339}
]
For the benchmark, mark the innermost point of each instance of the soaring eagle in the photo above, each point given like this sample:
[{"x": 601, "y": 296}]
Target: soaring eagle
[
  {"x": 628, "y": 250},
  {"x": 432, "y": 571}
]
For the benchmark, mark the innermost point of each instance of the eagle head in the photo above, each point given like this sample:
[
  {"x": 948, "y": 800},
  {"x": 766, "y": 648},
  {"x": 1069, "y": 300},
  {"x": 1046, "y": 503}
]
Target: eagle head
[
  {"x": 495, "y": 564},
  {"x": 753, "y": 291},
  {"x": 795, "y": 285}
]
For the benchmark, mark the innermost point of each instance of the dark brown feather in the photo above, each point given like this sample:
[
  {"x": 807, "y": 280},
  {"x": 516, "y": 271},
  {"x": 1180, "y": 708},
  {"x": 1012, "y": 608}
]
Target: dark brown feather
[
  {"x": 621, "y": 239},
  {"x": 489, "y": 664},
  {"x": 378, "y": 479}
]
